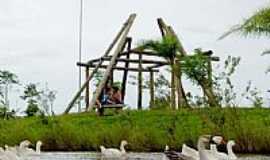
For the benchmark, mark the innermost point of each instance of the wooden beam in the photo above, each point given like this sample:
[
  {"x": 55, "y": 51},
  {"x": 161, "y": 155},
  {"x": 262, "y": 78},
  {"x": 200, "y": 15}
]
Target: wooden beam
[
  {"x": 87, "y": 87},
  {"x": 125, "y": 74},
  {"x": 132, "y": 61},
  {"x": 140, "y": 78},
  {"x": 131, "y": 69},
  {"x": 113, "y": 61},
  {"x": 152, "y": 91},
  {"x": 181, "y": 48},
  {"x": 78, "y": 94}
]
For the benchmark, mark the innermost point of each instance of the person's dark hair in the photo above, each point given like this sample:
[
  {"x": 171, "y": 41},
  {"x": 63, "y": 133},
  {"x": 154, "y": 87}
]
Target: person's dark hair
[{"x": 116, "y": 88}]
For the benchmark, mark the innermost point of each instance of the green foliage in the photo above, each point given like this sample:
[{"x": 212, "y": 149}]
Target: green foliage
[
  {"x": 195, "y": 67},
  {"x": 31, "y": 94},
  {"x": 144, "y": 130},
  {"x": 30, "y": 91},
  {"x": 32, "y": 108},
  {"x": 258, "y": 24},
  {"x": 7, "y": 77},
  {"x": 223, "y": 85},
  {"x": 253, "y": 95},
  {"x": 166, "y": 47}
]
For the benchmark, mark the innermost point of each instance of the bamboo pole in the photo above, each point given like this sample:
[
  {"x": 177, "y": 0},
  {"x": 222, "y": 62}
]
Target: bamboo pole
[
  {"x": 124, "y": 80},
  {"x": 113, "y": 61},
  {"x": 78, "y": 94},
  {"x": 140, "y": 83}
]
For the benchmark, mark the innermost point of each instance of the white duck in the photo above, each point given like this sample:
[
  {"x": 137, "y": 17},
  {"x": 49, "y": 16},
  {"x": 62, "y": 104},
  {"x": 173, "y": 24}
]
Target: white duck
[
  {"x": 10, "y": 153},
  {"x": 190, "y": 152},
  {"x": 205, "y": 154},
  {"x": 114, "y": 152},
  {"x": 223, "y": 156},
  {"x": 2, "y": 154}
]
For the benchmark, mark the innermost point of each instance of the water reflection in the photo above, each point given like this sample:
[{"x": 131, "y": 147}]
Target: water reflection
[{"x": 130, "y": 156}]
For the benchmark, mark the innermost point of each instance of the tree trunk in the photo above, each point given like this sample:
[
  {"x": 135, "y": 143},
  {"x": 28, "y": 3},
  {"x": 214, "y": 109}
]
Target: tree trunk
[
  {"x": 172, "y": 83},
  {"x": 208, "y": 91}
]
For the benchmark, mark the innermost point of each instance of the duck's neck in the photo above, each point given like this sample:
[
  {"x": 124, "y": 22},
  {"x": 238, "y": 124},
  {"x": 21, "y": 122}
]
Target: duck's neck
[
  {"x": 230, "y": 151},
  {"x": 38, "y": 149},
  {"x": 202, "y": 142},
  {"x": 122, "y": 148}
]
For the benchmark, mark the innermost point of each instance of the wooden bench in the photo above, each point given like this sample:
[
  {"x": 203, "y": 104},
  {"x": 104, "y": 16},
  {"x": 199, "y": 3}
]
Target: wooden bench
[{"x": 116, "y": 106}]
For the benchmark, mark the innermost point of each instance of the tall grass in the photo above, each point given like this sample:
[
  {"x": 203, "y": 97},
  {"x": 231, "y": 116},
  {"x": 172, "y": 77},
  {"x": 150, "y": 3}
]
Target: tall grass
[{"x": 144, "y": 130}]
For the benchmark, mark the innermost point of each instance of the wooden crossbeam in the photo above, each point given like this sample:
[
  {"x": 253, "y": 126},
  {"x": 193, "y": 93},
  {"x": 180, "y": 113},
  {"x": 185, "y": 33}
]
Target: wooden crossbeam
[
  {"x": 131, "y": 61},
  {"x": 116, "y": 68}
]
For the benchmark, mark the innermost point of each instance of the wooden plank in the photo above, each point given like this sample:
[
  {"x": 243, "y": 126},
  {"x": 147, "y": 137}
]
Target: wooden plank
[
  {"x": 125, "y": 74},
  {"x": 113, "y": 61},
  {"x": 140, "y": 78},
  {"x": 87, "y": 87},
  {"x": 111, "y": 106},
  {"x": 78, "y": 94},
  {"x": 152, "y": 91}
]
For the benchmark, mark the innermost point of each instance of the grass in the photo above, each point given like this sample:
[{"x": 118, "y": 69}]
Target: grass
[{"x": 144, "y": 130}]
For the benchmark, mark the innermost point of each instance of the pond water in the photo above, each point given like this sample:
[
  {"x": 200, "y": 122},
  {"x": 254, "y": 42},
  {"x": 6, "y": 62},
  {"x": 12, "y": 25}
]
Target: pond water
[{"x": 130, "y": 156}]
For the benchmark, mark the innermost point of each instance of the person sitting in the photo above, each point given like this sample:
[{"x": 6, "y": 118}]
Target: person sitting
[
  {"x": 105, "y": 97},
  {"x": 117, "y": 95}
]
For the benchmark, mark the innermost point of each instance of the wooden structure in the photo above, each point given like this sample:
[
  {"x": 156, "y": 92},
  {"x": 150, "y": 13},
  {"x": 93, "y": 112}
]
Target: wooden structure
[{"x": 123, "y": 54}]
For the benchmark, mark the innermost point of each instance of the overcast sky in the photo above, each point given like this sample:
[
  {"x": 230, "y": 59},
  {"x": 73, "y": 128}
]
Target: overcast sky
[{"x": 39, "y": 38}]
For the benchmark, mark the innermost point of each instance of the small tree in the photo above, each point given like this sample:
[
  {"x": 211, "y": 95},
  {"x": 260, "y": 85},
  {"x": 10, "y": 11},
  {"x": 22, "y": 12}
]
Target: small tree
[
  {"x": 31, "y": 94},
  {"x": 7, "y": 79},
  {"x": 195, "y": 67}
]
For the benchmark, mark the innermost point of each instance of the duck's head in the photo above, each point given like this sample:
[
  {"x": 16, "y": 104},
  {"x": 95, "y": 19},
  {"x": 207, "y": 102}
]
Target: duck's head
[
  {"x": 6, "y": 147},
  {"x": 231, "y": 142},
  {"x": 25, "y": 143},
  {"x": 167, "y": 148},
  {"x": 102, "y": 148},
  {"x": 39, "y": 143},
  {"x": 218, "y": 140},
  {"x": 124, "y": 143}
]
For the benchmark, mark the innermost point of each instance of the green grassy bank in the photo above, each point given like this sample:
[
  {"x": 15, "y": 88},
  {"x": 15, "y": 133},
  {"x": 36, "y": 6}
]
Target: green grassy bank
[{"x": 144, "y": 130}]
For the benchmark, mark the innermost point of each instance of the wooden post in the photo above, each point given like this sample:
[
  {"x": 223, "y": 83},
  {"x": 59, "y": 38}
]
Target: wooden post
[
  {"x": 78, "y": 94},
  {"x": 140, "y": 83},
  {"x": 113, "y": 61},
  {"x": 125, "y": 75},
  {"x": 152, "y": 91},
  {"x": 87, "y": 87},
  {"x": 111, "y": 80}
]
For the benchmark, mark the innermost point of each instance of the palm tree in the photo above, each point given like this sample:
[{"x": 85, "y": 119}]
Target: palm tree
[
  {"x": 167, "y": 48},
  {"x": 7, "y": 79},
  {"x": 258, "y": 25}
]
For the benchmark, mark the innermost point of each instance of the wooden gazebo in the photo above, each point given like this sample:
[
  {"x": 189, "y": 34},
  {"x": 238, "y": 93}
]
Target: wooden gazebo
[{"x": 123, "y": 54}]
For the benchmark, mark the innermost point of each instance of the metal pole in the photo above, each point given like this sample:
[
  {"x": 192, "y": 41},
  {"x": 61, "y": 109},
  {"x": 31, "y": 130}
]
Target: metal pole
[{"x": 80, "y": 49}]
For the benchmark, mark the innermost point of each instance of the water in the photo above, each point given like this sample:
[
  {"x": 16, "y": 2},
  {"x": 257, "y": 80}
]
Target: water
[{"x": 130, "y": 156}]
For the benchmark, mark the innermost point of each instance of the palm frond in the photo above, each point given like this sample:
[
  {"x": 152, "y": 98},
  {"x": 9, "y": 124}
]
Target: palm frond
[
  {"x": 166, "y": 47},
  {"x": 258, "y": 25},
  {"x": 266, "y": 52}
]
